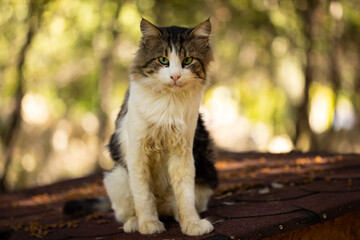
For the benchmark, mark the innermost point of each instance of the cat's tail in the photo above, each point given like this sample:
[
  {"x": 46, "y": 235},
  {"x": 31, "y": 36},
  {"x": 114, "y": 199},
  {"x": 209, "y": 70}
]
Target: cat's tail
[{"x": 86, "y": 206}]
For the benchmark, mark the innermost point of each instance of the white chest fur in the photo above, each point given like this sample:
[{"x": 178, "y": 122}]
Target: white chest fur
[
  {"x": 164, "y": 107},
  {"x": 166, "y": 119}
]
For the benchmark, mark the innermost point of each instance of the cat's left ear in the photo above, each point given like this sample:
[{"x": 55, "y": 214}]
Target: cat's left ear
[
  {"x": 148, "y": 29},
  {"x": 203, "y": 30}
]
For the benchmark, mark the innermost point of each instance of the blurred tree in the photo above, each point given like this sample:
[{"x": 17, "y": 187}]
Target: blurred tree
[
  {"x": 110, "y": 26},
  {"x": 12, "y": 127},
  {"x": 308, "y": 16},
  {"x": 286, "y": 76}
]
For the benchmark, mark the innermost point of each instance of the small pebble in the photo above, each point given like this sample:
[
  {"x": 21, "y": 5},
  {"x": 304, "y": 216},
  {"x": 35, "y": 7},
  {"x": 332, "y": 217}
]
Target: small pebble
[
  {"x": 264, "y": 190},
  {"x": 277, "y": 185}
]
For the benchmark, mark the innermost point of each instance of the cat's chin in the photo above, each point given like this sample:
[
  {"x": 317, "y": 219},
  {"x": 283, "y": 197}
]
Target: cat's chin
[
  {"x": 174, "y": 88},
  {"x": 170, "y": 88}
]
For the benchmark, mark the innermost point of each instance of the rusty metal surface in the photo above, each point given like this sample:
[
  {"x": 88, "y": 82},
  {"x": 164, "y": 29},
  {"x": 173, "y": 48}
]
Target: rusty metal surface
[{"x": 260, "y": 195}]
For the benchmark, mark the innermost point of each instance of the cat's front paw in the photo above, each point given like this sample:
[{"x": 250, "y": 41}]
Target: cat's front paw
[
  {"x": 131, "y": 225},
  {"x": 151, "y": 227},
  {"x": 197, "y": 228}
]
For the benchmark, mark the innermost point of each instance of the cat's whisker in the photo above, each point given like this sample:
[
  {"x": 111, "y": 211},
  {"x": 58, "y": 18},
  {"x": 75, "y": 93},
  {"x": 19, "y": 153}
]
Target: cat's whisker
[{"x": 209, "y": 83}]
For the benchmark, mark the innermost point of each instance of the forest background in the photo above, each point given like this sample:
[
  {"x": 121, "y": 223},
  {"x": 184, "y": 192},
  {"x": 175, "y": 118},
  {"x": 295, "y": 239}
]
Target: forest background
[{"x": 286, "y": 76}]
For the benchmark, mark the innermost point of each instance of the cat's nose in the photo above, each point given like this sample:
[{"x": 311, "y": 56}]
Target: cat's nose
[{"x": 175, "y": 77}]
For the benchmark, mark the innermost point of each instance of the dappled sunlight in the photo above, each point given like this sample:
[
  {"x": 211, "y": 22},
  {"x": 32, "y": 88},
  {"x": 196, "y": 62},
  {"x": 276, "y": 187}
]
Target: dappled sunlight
[
  {"x": 125, "y": 51},
  {"x": 229, "y": 129},
  {"x": 130, "y": 17},
  {"x": 345, "y": 117},
  {"x": 279, "y": 46},
  {"x": 60, "y": 140},
  {"x": 261, "y": 134},
  {"x": 336, "y": 10},
  {"x": 262, "y": 171},
  {"x": 291, "y": 79},
  {"x": 28, "y": 162},
  {"x": 235, "y": 132},
  {"x": 90, "y": 123},
  {"x": 247, "y": 56},
  {"x": 88, "y": 191},
  {"x": 275, "y": 85},
  {"x": 321, "y": 108},
  {"x": 280, "y": 144},
  {"x": 77, "y": 159},
  {"x": 35, "y": 109},
  {"x": 57, "y": 26}
]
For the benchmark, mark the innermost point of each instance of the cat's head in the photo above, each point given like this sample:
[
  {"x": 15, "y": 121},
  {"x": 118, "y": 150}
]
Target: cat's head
[{"x": 172, "y": 58}]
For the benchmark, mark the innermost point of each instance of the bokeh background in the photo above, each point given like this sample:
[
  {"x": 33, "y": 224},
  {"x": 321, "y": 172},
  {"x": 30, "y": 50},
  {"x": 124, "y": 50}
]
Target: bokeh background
[{"x": 286, "y": 77}]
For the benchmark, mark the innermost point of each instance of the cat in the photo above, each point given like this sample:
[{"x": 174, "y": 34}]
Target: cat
[{"x": 163, "y": 154}]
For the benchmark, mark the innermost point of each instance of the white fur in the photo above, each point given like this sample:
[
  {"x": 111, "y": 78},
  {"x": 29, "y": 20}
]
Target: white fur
[
  {"x": 156, "y": 137},
  {"x": 203, "y": 195},
  {"x": 117, "y": 185}
]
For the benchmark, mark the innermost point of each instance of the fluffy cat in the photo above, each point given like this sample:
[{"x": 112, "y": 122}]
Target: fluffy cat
[{"x": 163, "y": 154}]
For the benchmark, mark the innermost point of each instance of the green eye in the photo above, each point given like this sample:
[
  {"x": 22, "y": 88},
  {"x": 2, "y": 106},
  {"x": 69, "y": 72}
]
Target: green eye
[
  {"x": 163, "y": 60},
  {"x": 187, "y": 60}
]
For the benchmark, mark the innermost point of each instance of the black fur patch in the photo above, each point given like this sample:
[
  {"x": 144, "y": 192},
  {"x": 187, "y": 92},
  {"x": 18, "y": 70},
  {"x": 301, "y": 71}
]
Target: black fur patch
[
  {"x": 85, "y": 206},
  {"x": 204, "y": 156},
  {"x": 115, "y": 149},
  {"x": 114, "y": 145}
]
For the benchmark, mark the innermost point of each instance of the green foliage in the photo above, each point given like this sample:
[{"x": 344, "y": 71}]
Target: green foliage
[{"x": 76, "y": 65}]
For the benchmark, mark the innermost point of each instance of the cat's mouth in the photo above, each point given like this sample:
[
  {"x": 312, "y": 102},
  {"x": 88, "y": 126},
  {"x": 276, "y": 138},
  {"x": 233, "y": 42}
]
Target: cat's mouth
[
  {"x": 181, "y": 86},
  {"x": 176, "y": 86}
]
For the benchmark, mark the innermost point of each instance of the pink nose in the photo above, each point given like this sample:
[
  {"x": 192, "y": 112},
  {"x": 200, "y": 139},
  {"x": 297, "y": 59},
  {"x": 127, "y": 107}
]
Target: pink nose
[{"x": 175, "y": 77}]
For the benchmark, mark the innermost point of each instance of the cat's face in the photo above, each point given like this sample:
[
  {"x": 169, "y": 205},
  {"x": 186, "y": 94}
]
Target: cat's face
[{"x": 172, "y": 58}]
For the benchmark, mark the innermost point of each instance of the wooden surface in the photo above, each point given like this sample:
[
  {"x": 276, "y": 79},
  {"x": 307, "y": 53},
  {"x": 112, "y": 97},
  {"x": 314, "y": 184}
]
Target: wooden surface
[
  {"x": 346, "y": 227},
  {"x": 259, "y": 196}
]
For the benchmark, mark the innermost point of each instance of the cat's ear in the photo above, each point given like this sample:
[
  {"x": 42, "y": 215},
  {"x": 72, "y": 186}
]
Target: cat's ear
[
  {"x": 202, "y": 30},
  {"x": 148, "y": 29}
]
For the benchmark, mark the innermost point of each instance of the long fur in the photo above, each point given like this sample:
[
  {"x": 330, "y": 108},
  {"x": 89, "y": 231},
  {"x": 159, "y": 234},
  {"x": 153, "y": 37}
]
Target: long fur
[{"x": 156, "y": 131}]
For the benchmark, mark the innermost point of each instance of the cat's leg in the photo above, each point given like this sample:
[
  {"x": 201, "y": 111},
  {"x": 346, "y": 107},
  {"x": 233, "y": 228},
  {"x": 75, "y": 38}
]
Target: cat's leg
[
  {"x": 182, "y": 176},
  {"x": 202, "y": 197},
  {"x": 131, "y": 225},
  {"x": 166, "y": 206},
  {"x": 117, "y": 187},
  {"x": 144, "y": 200}
]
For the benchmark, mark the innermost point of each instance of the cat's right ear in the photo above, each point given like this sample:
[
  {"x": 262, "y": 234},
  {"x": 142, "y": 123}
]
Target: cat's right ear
[
  {"x": 148, "y": 29},
  {"x": 203, "y": 30}
]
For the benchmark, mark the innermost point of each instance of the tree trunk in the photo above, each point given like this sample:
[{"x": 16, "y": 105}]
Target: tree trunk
[
  {"x": 105, "y": 83},
  {"x": 14, "y": 122},
  {"x": 304, "y": 137}
]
